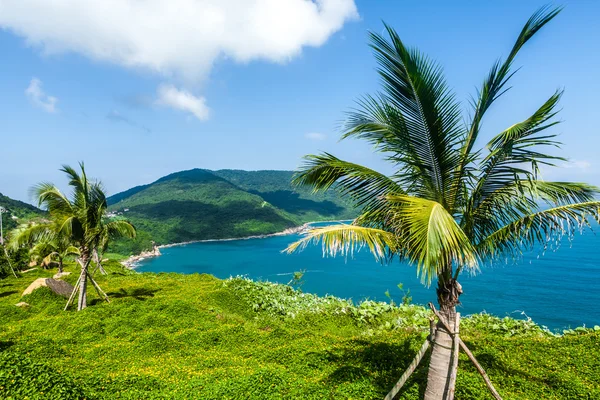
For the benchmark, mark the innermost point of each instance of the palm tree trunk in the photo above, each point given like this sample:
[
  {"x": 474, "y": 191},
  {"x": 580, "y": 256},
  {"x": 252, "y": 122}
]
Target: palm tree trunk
[
  {"x": 82, "y": 303},
  {"x": 440, "y": 365},
  {"x": 60, "y": 264}
]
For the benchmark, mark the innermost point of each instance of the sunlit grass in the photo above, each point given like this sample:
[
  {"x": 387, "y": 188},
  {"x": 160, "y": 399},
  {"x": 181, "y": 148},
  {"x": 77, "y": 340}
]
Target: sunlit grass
[{"x": 194, "y": 336}]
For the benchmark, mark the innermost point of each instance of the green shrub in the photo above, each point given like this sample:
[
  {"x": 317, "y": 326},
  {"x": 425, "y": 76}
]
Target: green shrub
[{"x": 22, "y": 378}]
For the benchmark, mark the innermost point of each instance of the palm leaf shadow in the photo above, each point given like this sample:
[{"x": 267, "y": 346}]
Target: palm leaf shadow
[{"x": 140, "y": 293}]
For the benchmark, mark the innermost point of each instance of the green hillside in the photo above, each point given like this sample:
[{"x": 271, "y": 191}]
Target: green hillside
[
  {"x": 275, "y": 188},
  {"x": 18, "y": 212},
  {"x": 200, "y": 204}
]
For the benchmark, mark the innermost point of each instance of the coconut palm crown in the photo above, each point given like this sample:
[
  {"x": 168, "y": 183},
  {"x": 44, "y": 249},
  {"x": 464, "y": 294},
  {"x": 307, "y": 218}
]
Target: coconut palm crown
[{"x": 450, "y": 204}]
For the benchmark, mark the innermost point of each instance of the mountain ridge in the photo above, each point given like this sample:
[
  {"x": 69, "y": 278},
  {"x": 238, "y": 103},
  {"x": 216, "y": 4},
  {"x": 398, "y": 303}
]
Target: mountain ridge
[{"x": 200, "y": 204}]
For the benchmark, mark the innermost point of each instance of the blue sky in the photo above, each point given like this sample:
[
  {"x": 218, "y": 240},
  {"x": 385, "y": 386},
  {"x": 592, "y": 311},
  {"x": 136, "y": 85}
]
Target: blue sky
[{"x": 167, "y": 95}]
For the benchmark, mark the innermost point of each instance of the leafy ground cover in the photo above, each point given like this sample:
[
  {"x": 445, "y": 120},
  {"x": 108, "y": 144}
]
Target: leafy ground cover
[{"x": 172, "y": 336}]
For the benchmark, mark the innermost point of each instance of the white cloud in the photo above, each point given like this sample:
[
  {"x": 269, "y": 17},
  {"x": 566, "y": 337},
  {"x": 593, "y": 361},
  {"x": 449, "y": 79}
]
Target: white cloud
[
  {"x": 170, "y": 96},
  {"x": 176, "y": 38},
  {"x": 315, "y": 136},
  {"x": 581, "y": 165},
  {"x": 38, "y": 97}
]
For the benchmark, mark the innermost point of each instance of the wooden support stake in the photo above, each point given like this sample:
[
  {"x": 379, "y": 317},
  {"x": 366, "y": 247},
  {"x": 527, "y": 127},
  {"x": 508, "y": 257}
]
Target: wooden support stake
[
  {"x": 411, "y": 368},
  {"x": 75, "y": 289},
  {"x": 431, "y": 329},
  {"x": 454, "y": 366},
  {"x": 98, "y": 289},
  {"x": 8, "y": 258},
  {"x": 98, "y": 261},
  {"x": 94, "y": 283},
  {"x": 480, "y": 369},
  {"x": 413, "y": 365}
]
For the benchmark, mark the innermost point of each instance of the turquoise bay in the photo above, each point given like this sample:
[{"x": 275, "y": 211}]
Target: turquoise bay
[{"x": 552, "y": 288}]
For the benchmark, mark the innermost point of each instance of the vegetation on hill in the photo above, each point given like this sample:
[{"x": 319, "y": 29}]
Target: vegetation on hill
[
  {"x": 200, "y": 204},
  {"x": 194, "y": 336},
  {"x": 276, "y": 188},
  {"x": 17, "y": 212}
]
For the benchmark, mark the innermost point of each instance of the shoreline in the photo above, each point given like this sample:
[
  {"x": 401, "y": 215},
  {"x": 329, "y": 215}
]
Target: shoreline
[{"x": 131, "y": 262}]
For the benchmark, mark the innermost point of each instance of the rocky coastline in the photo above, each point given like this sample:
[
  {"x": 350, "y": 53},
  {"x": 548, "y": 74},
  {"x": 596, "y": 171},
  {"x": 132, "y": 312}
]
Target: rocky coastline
[{"x": 133, "y": 260}]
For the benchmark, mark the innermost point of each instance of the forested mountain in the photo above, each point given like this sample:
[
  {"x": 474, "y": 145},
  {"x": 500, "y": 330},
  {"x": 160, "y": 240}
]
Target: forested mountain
[
  {"x": 202, "y": 204},
  {"x": 17, "y": 212}
]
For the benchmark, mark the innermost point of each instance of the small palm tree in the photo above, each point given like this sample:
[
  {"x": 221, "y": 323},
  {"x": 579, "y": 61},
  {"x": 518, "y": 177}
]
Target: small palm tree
[
  {"x": 46, "y": 251},
  {"x": 81, "y": 219},
  {"x": 45, "y": 242},
  {"x": 449, "y": 205}
]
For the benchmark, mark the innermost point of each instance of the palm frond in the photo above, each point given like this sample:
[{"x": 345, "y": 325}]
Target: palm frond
[
  {"x": 542, "y": 227},
  {"x": 52, "y": 199},
  {"x": 384, "y": 126},
  {"x": 520, "y": 198},
  {"x": 364, "y": 186},
  {"x": 492, "y": 88},
  {"x": 28, "y": 235},
  {"x": 500, "y": 73},
  {"x": 80, "y": 186},
  {"x": 71, "y": 251},
  {"x": 429, "y": 236},
  {"x": 345, "y": 239},
  {"x": 515, "y": 153},
  {"x": 416, "y": 117},
  {"x": 120, "y": 228},
  {"x": 96, "y": 204}
]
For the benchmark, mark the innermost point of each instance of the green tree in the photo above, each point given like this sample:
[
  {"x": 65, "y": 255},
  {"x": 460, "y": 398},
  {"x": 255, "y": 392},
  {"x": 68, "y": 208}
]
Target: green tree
[
  {"x": 81, "y": 220},
  {"x": 449, "y": 205}
]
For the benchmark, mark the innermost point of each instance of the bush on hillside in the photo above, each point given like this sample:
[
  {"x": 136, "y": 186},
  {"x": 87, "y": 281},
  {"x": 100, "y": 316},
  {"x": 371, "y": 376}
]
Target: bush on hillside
[{"x": 22, "y": 378}]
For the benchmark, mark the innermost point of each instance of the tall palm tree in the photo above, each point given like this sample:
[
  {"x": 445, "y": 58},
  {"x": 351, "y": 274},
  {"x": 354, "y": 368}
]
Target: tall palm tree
[
  {"x": 81, "y": 219},
  {"x": 449, "y": 205}
]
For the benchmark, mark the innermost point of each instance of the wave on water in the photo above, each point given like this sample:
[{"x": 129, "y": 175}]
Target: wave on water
[{"x": 292, "y": 273}]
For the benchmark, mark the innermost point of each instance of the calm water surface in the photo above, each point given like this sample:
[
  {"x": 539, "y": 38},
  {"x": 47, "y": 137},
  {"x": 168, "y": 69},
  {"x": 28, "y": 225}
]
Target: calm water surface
[{"x": 558, "y": 289}]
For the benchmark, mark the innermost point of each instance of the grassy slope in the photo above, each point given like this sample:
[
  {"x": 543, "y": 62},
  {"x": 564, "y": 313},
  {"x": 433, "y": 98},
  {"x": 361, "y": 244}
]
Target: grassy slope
[
  {"x": 188, "y": 336},
  {"x": 200, "y": 204}
]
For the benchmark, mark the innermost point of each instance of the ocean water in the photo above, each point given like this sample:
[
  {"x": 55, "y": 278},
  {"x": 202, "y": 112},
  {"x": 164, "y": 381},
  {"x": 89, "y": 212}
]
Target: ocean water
[{"x": 558, "y": 289}]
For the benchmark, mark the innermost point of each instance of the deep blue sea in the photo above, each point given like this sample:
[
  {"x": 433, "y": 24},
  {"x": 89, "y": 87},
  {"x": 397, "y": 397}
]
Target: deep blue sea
[{"x": 558, "y": 289}]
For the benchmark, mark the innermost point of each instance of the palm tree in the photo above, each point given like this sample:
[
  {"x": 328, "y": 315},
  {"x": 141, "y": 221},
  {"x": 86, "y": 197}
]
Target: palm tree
[
  {"x": 46, "y": 242},
  {"x": 80, "y": 218},
  {"x": 46, "y": 251},
  {"x": 449, "y": 205}
]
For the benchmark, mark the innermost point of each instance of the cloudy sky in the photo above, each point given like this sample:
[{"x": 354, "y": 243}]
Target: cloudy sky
[{"x": 141, "y": 88}]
